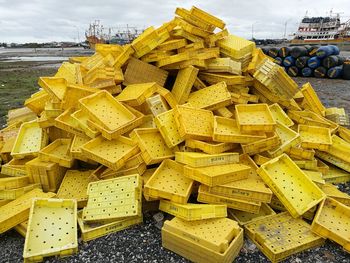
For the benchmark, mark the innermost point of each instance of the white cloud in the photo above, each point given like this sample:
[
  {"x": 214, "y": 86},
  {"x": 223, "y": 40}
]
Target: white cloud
[{"x": 49, "y": 20}]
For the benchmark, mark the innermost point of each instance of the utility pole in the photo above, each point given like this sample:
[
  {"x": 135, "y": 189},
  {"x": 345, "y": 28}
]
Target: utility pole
[{"x": 285, "y": 29}]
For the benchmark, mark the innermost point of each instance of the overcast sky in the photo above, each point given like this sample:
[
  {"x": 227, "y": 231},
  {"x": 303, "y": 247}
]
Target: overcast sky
[{"x": 64, "y": 20}]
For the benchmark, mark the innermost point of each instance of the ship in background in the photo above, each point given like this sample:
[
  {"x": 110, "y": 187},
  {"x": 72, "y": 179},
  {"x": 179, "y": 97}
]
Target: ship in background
[
  {"x": 322, "y": 30},
  {"x": 121, "y": 35}
]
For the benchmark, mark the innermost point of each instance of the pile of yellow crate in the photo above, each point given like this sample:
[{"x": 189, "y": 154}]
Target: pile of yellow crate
[{"x": 187, "y": 119}]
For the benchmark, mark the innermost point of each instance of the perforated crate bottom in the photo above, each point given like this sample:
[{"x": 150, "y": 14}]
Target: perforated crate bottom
[
  {"x": 279, "y": 236},
  {"x": 52, "y": 229}
]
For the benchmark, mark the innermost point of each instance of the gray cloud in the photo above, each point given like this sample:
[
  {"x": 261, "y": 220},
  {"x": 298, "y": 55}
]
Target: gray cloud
[{"x": 42, "y": 21}]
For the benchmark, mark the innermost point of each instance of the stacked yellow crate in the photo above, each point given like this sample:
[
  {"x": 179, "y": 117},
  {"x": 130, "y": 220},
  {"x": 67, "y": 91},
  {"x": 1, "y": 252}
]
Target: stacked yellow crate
[{"x": 105, "y": 130}]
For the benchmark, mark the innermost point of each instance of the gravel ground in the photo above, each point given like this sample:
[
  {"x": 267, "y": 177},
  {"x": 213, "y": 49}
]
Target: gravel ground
[{"x": 142, "y": 243}]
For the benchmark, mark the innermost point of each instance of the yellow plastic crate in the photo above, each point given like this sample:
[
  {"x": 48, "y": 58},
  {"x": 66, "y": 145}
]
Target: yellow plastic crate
[
  {"x": 307, "y": 164},
  {"x": 211, "y": 40},
  {"x": 152, "y": 145},
  {"x": 195, "y": 159},
  {"x": 210, "y": 19},
  {"x": 332, "y": 221},
  {"x": 134, "y": 161},
  {"x": 235, "y": 47},
  {"x": 156, "y": 55},
  {"x": 223, "y": 112},
  {"x": 173, "y": 59},
  {"x": 344, "y": 133},
  {"x": 215, "y": 234},
  {"x": 251, "y": 188},
  {"x": 206, "y": 53},
  {"x": 204, "y": 196},
  {"x": 335, "y": 175},
  {"x": 172, "y": 44},
  {"x": 217, "y": 174},
  {"x": 297, "y": 199},
  {"x": 104, "y": 109},
  {"x": 167, "y": 127},
  {"x": 190, "y": 249},
  {"x": 190, "y": 212},
  {"x": 22, "y": 228},
  {"x": 137, "y": 169},
  {"x": 194, "y": 123},
  {"x": 197, "y": 31},
  {"x": 179, "y": 32},
  {"x": 169, "y": 182},
  {"x": 11, "y": 194},
  {"x": 115, "y": 134},
  {"x": 37, "y": 101},
  {"x": 244, "y": 218},
  {"x": 44, "y": 121},
  {"x": 51, "y": 111},
  {"x": 61, "y": 238},
  {"x": 211, "y": 98},
  {"x": 289, "y": 138},
  {"x": 75, "y": 150},
  {"x": 58, "y": 152},
  {"x": 254, "y": 117},
  {"x": 17, "y": 211},
  {"x": 227, "y": 130},
  {"x": 54, "y": 86},
  {"x": 194, "y": 20},
  {"x": 262, "y": 145},
  {"x": 152, "y": 44},
  {"x": 74, "y": 186},
  {"x": 280, "y": 236},
  {"x": 334, "y": 160},
  {"x": 260, "y": 159},
  {"x": 339, "y": 148},
  {"x": 157, "y": 105},
  {"x": 300, "y": 153},
  {"x": 67, "y": 71},
  {"x": 123, "y": 195},
  {"x": 183, "y": 84},
  {"x": 315, "y": 137},
  {"x": 75, "y": 93},
  {"x": 210, "y": 147},
  {"x": 224, "y": 65},
  {"x": 15, "y": 167},
  {"x": 136, "y": 94},
  {"x": 30, "y": 140},
  {"x": 124, "y": 56},
  {"x": 198, "y": 63},
  {"x": 333, "y": 192},
  {"x": 279, "y": 115},
  {"x": 112, "y": 154},
  {"x": 312, "y": 119},
  {"x": 315, "y": 176},
  {"x": 48, "y": 174},
  {"x": 96, "y": 230},
  {"x": 311, "y": 99},
  {"x": 4, "y": 202},
  {"x": 322, "y": 167},
  {"x": 13, "y": 182},
  {"x": 67, "y": 123}
]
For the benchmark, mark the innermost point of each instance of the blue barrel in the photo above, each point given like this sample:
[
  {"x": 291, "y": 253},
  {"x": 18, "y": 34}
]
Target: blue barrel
[
  {"x": 278, "y": 60},
  {"x": 324, "y": 51},
  {"x": 320, "y": 72},
  {"x": 288, "y": 61},
  {"x": 314, "y": 62},
  {"x": 293, "y": 71},
  {"x": 335, "y": 72},
  {"x": 306, "y": 72},
  {"x": 335, "y": 50}
]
